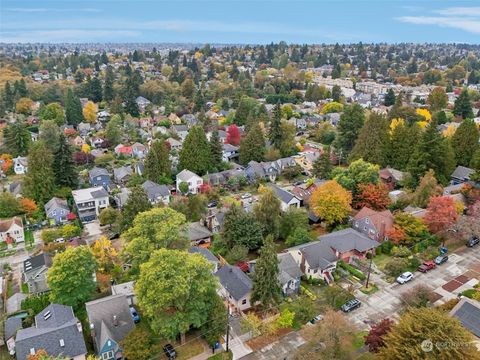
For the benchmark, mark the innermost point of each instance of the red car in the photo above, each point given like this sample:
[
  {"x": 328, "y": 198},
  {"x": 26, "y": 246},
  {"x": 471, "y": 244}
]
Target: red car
[{"x": 427, "y": 265}]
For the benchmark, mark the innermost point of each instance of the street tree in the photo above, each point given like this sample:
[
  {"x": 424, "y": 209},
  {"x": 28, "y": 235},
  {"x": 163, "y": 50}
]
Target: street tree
[{"x": 331, "y": 202}]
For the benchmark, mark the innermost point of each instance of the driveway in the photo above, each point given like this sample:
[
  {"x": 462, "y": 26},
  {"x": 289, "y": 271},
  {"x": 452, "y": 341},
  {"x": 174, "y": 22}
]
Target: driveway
[
  {"x": 447, "y": 281},
  {"x": 92, "y": 231},
  {"x": 279, "y": 350}
]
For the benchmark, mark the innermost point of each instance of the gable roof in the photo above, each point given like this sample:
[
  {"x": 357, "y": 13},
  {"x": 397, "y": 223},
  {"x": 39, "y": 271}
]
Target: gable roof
[
  {"x": 36, "y": 262},
  {"x": 55, "y": 203},
  {"x": 186, "y": 175},
  {"x": 101, "y": 314},
  {"x": 12, "y": 324},
  {"x": 205, "y": 252},
  {"x": 318, "y": 254},
  {"x": 97, "y": 171},
  {"x": 284, "y": 195},
  {"x": 462, "y": 173},
  {"x": 347, "y": 240},
  {"x": 234, "y": 281},
  {"x": 155, "y": 190},
  {"x": 378, "y": 218},
  {"x": 6, "y": 224},
  {"x": 196, "y": 231},
  {"x": 468, "y": 312}
]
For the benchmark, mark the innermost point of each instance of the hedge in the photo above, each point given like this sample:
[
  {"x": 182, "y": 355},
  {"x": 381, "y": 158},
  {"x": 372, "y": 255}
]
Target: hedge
[{"x": 357, "y": 273}]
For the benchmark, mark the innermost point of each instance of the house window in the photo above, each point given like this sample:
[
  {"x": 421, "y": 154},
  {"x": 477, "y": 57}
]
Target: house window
[
  {"x": 244, "y": 301},
  {"x": 367, "y": 221},
  {"x": 315, "y": 271},
  {"x": 364, "y": 228},
  {"x": 107, "y": 355}
]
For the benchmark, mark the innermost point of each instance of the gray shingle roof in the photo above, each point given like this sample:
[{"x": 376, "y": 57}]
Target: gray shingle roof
[
  {"x": 101, "y": 312},
  {"x": 59, "y": 333},
  {"x": 99, "y": 193},
  {"x": 97, "y": 171},
  {"x": 38, "y": 261},
  {"x": 205, "y": 252},
  {"x": 318, "y": 254},
  {"x": 196, "y": 231},
  {"x": 11, "y": 326},
  {"x": 462, "y": 173},
  {"x": 122, "y": 172},
  {"x": 349, "y": 239},
  {"x": 234, "y": 281},
  {"x": 55, "y": 203},
  {"x": 468, "y": 312},
  {"x": 283, "y": 195},
  {"x": 155, "y": 190}
]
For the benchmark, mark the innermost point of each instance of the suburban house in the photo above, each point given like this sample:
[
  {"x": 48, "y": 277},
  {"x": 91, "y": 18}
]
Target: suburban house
[
  {"x": 207, "y": 254},
  {"x": 122, "y": 174},
  {"x": 180, "y": 130},
  {"x": 287, "y": 199},
  {"x": 11, "y": 230},
  {"x": 127, "y": 289},
  {"x": 77, "y": 141},
  {"x": 260, "y": 171},
  {"x": 391, "y": 177},
  {"x": 174, "y": 144},
  {"x": 374, "y": 224},
  {"x": 20, "y": 165},
  {"x": 198, "y": 234},
  {"x": 468, "y": 312},
  {"x": 57, "y": 210},
  {"x": 99, "y": 177},
  {"x": 89, "y": 202},
  {"x": 110, "y": 322},
  {"x": 349, "y": 245},
  {"x": 156, "y": 193},
  {"x": 235, "y": 287},
  {"x": 142, "y": 103},
  {"x": 306, "y": 159},
  {"x": 125, "y": 150},
  {"x": 461, "y": 175},
  {"x": 222, "y": 178},
  {"x": 229, "y": 152},
  {"x": 289, "y": 273},
  {"x": 57, "y": 331},
  {"x": 12, "y": 325},
  {"x": 35, "y": 273},
  {"x": 139, "y": 150},
  {"x": 193, "y": 181}
]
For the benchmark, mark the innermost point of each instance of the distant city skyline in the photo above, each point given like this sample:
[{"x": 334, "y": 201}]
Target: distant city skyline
[{"x": 240, "y": 22}]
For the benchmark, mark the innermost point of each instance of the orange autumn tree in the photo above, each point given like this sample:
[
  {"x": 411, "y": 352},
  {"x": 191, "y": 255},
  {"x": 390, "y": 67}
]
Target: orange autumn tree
[
  {"x": 28, "y": 206},
  {"x": 373, "y": 196},
  {"x": 331, "y": 202},
  {"x": 441, "y": 214},
  {"x": 7, "y": 162}
]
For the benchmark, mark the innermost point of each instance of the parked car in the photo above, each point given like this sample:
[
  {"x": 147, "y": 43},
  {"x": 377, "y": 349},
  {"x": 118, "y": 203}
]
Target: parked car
[
  {"x": 299, "y": 182},
  {"x": 169, "y": 350},
  {"x": 439, "y": 260},
  {"x": 427, "y": 265},
  {"x": 212, "y": 204},
  {"x": 474, "y": 240},
  {"x": 135, "y": 316},
  {"x": 351, "y": 305},
  {"x": 405, "y": 277},
  {"x": 246, "y": 196},
  {"x": 316, "y": 319}
]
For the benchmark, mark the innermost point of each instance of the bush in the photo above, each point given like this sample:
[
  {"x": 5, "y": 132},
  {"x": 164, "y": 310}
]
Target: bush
[
  {"x": 386, "y": 247},
  {"x": 419, "y": 296},
  {"x": 36, "y": 303},
  {"x": 357, "y": 273},
  {"x": 396, "y": 266},
  {"x": 401, "y": 251},
  {"x": 469, "y": 293}
]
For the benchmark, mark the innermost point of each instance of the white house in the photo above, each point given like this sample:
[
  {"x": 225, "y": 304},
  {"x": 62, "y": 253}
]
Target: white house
[
  {"x": 11, "y": 230},
  {"x": 20, "y": 165},
  {"x": 235, "y": 287},
  {"x": 193, "y": 180},
  {"x": 89, "y": 202},
  {"x": 287, "y": 199}
]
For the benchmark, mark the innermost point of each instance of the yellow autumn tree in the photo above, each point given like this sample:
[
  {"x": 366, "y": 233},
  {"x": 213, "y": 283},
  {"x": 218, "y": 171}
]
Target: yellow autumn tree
[
  {"x": 90, "y": 112},
  {"x": 86, "y": 148},
  {"x": 104, "y": 252},
  {"x": 449, "y": 131},
  {"x": 425, "y": 114},
  {"x": 422, "y": 124},
  {"x": 24, "y": 106},
  {"x": 396, "y": 122},
  {"x": 331, "y": 202}
]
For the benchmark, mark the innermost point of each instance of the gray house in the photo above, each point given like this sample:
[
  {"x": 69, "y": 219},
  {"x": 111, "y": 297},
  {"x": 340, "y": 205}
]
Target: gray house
[
  {"x": 461, "y": 175},
  {"x": 236, "y": 287},
  {"x": 110, "y": 322},
  {"x": 57, "y": 210},
  {"x": 56, "y": 330},
  {"x": 99, "y": 177},
  {"x": 212, "y": 259},
  {"x": 122, "y": 174},
  {"x": 156, "y": 193},
  {"x": 35, "y": 273},
  {"x": 287, "y": 199}
]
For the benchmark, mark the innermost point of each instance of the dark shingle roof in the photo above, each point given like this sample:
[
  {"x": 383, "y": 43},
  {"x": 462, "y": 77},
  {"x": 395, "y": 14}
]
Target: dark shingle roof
[
  {"x": 468, "y": 312},
  {"x": 11, "y": 326},
  {"x": 349, "y": 239},
  {"x": 283, "y": 195},
  {"x": 462, "y": 173},
  {"x": 234, "y": 281},
  {"x": 205, "y": 252},
  {"x": 97, "y": 171},
  {"x": 38, "y": 261}
]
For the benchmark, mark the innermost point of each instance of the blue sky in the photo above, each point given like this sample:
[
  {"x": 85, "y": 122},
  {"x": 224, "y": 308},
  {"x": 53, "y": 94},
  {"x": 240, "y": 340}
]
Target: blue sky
[{"x": 240, "y": 21}]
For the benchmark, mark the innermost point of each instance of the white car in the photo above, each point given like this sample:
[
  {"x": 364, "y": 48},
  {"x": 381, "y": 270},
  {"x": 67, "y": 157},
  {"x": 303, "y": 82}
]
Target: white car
[
  {"x": 246, "y": 196},
  {"x": 405, "y": 277}
]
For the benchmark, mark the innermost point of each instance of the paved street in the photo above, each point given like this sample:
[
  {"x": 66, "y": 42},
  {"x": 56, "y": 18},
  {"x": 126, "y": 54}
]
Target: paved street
[
  {"x": 386, "y": 302},
  {"x": 278, "y": 350}
]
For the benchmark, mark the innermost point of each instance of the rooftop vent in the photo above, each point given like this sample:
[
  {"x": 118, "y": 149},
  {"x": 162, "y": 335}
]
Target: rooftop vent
[
  {"x": 47, "y": 315},
  {"x": 62, "y": 343}
]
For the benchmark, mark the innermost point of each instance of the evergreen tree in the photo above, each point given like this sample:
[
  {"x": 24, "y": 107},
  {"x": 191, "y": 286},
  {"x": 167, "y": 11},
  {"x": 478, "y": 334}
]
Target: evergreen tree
[
  {"x": 275, "y": 133},
  {"x": 371, "y": 144},
  {"x": 389, "y": 98},
  {"x": 402, "y": 140},
  {"x": 8, "y": 97},
  {"x": 137, "y": 202},
  {"x": 336, "y": 93},
  {"x": 21, "y": 89},
  {"x": 17, "y": 138},
  {"x": 50, "y": 134},
  {"x": 95, "y": 90},
  {"x": 63, "y": 164},
  {"x": 195, "y": 154},
  {"x": 463, "y": 106},
  {"x": 157, "y": 162},
  {"x": 266, "y": 287},
  {"x": 322, "y": 167},
  {"x": 199, "y": 103},
  {"x": 241, "y": 229},
  {"x": 351, "y": 121},
  {"x": 39, "y": 183},
  {"x": 108, "y": 93},
  {"x": 465, "y": 142},
  {"x": 73, "y": 109},
  {"x": 216, "y": 149},
  {"x": 252, "y": 146},
  {"x": 114, "y": 130},
  {"x": 131, "y": 106},
  {"x": 267, "y": 211}
]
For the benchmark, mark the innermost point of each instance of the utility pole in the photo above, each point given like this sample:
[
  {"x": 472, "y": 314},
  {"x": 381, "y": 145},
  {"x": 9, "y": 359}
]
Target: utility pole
[
  {"x": 228, "y": 324},
  {"x": 369, "y": 270}
]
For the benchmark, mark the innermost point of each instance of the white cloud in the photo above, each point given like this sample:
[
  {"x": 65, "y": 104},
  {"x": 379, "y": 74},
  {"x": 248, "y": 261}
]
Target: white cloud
[
  {"x": 467, "y": 24},
  {"x": 459, "y": 11},
  {"x": 66, "y": 35}
]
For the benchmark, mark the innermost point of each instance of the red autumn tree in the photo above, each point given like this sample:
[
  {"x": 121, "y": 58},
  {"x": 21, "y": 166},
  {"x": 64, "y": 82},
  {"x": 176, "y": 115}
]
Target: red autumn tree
[
  {"x": 396, "y": 234},
  {"x": 28, "y": 206},
  {"x": 374, "y": 339},
  {"x": 373, "y": 196},
  {"x": 441, "y": 214},
  {"x": 233, "y": 135}
]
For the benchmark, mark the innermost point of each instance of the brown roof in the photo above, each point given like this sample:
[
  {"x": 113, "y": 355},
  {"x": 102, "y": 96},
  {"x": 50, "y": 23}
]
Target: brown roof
[
  {"x": 376, "y": 217},
  {"x": 6, "y": 224}
]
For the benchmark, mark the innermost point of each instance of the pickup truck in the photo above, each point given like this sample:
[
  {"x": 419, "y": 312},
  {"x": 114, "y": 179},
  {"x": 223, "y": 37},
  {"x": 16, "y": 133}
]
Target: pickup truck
[{"x": 427, "y": 265}]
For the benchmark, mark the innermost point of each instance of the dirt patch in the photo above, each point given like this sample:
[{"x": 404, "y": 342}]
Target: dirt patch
[
  {"x": 452, "y": 285},
  {"x": 263, "y": 340},
  {"x": 435, "y": 297},
  {"x": 462, "y": 279}
]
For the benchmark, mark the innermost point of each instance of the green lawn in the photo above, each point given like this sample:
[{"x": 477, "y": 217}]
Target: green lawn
[
  {"x": 359, "y": 341},
  {"x": 221, "y": 356},
  {"x": 28, "y": 237},
  {"x": 25, "y": 288},
  {"x": 381, "y": 260}
]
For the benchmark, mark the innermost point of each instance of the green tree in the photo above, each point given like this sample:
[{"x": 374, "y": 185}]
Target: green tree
[
  {"x": 241, "y": 228},
  {"x": 287, "y": 145},
  {"x": 252, "y": 146},
  {"x": 266, "y": 287},
  {"x": 298, "y": 237},
  {"x": 95, "y": 90},
  {"x": 275, "y": 130},
  {"x": 407, "y": 339},
  {"x": 108, "y": 216},
  {"x": 216, "y": 149},
  {"x": 9, "y": 205},
  {"x": 195, "y": 154},
  {"x": 371, "y": 144},
  {"x": 176, "y": 290},
  {"x": 294, "y": 218},
  {"x": 71, "y": 277},
  {"x": 108, "y": 92},
  {"x": 358, "y": 172},
  {"x": 427, "y": 187},
  {"x": 154, "y": 229},
  {"x": 64, "y": 165},
  {"x": 389, "y": 98},
  {"x": 17, "y": 138},
  {"x": 216, "y": 324},
  {"x": 437, "y": 99},
  {"x": 131, "y": 106},
  {"x": 267, "y": 211},
  {"x": 463, "y": 106},
  {"x": 137, "y": 202},
  {"x": 402, "y": 140},
  {"x": 158, "y": 166},
  {"x": 322, "y": 167},
  {"x": 245, "y": 106},
  {"x": 8, "y": 97},
  {"x": 336, "y": 93},
  {"x": 39, "y": 183},
  {"x": 138, "y": 344},
  {"x": 465, "y": 142},
  {"x": 114, "y": 130},
  {"x": 54, "y": 112},
  {"x": 50, "y": 134},
  {"x": 351, "y": 121},
  {"x": 73, "y": 109}
]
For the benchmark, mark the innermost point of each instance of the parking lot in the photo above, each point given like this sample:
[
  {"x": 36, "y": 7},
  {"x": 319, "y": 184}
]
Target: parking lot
[{"x": 461, "y": 272}]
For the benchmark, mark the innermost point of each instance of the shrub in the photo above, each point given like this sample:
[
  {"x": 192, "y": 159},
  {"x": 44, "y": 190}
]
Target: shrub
[
  {"x": 396, "y": 266},
  {"x": 469, "y": 293},
  {"x": 386, "y": 247},
  {"x": 357, "y": 273},
  {"x": 419, "y": 296},
  {"x": 401, "y": 251}
]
